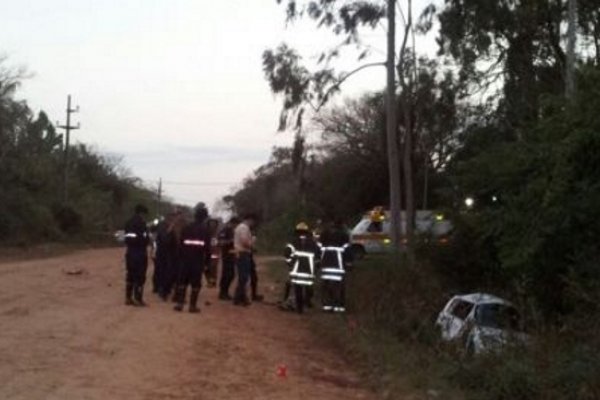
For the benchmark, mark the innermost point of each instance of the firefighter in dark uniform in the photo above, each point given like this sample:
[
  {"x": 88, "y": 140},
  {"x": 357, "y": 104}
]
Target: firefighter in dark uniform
[
  {"x": 195, "y": 255},
  {"x": 227, "y": 258},
  {"x": 136, "y": 256},
  {"x": 302, "y": 255},
  {"x": 336, "y": 260},
  {"x": 173, "y": 250},
  {"x": 161, "y": 257}
]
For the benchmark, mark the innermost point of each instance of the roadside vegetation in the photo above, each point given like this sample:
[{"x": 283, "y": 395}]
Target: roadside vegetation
[
  {"x": 102, "y": 192},
  {"x": 494, "y": 124}
]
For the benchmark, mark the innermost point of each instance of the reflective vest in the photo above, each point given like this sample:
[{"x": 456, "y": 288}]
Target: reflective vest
[
  {"x": 302, "y": 267},
  {"x": 334, "y": 272}
]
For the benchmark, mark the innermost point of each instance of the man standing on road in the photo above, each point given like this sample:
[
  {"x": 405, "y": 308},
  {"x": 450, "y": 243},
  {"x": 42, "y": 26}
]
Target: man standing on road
[
  {"x": 243, "y": 241},
  {"x": 195, "y": 255},
  {"x": 136, "y": 256},
  {"x": 254, "y": 276},
  {"x": 227, "y": 258},
  {"x": 336, "y": 259},
  {"x": 302, "y": 255}
]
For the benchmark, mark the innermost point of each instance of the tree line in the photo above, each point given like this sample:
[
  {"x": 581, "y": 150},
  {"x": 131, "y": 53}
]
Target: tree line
[
  {"x": 488, "y": 119},
  {"x": 32, "y": 163}
]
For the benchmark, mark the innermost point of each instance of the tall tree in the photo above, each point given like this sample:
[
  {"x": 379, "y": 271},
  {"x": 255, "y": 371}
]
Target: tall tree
[{"x": 302, "y": 89}]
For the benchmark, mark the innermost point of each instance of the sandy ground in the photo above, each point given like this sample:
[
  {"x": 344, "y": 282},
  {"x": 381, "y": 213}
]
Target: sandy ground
[{"x": 70, "y": 337}]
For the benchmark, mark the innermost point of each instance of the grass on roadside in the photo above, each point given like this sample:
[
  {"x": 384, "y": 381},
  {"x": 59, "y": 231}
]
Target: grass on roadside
[{"x": 388, "y": 334}]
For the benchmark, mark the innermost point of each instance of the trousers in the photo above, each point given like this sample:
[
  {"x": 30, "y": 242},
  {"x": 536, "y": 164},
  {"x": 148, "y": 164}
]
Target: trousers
[{"x": 244, "y": 267}]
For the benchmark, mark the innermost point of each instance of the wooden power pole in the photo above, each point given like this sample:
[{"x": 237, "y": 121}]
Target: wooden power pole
[{"x": 68, "y": 128}]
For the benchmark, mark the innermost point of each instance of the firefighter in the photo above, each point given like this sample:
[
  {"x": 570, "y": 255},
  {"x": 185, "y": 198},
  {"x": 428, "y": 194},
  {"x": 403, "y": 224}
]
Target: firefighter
[
  {"x": 302, "y": 255},
  {"x": 162, "y": 265},
  {"x": 227, "y": 258},
  {"x": 336, "y": 259},
  {"x": 195, "y": 255},
  {"x": 136, "y": 256},
  {"x": 243, "y": 243},
  {"x": 173, "y": 250}
]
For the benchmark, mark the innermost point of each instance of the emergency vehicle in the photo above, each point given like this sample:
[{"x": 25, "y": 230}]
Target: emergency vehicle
[{"x": 372, "y": 233}]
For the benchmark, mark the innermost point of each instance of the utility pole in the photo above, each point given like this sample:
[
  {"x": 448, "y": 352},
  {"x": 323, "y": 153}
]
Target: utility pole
[
  {"x": 391, "y": 128},
  {"x": 570, "y": 85},
  {"x": 159, "y": 197},
  {"x": 68, "y": 128}
]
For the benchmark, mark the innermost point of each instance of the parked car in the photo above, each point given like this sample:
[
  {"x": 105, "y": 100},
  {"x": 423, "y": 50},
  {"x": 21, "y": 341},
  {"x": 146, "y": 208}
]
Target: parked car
[{"x": 483, "y": 321}]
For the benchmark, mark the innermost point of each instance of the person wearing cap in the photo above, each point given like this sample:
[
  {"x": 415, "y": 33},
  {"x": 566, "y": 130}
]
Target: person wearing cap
[
  {"x": 195, "y": 255},
  {"x": 302, "y": 255},
  {"x": 136, "y": 256},
  {"x": 336, "y": 260},
  {"x": 243, "y": 243},
  {"x": 227, "y": 258}
]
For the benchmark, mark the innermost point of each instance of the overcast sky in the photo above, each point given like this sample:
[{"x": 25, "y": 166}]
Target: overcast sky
[{"x": 174, "y": 86}]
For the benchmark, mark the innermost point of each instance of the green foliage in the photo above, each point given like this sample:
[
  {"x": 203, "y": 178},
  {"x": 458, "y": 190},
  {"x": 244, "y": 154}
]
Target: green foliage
[
  {"x": 541, "y": 231},
  {"x": 31, "y": 173}
]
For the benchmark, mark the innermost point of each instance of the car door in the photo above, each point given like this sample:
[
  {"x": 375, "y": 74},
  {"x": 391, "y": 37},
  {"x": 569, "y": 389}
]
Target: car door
[{"x": 453, "y": 318}]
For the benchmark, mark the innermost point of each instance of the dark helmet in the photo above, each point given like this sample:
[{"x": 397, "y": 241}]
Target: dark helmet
[
  {"x": 141, "y": 209},
  {"x": 200, "y": 212}
]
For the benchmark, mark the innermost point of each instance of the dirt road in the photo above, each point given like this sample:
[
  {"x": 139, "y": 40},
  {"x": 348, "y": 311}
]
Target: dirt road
[{"x": 70, "y": 337}]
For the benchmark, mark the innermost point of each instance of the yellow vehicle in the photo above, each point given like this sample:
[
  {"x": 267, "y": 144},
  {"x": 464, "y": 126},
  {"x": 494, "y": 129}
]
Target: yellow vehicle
[{"x": 372, "y": 233}]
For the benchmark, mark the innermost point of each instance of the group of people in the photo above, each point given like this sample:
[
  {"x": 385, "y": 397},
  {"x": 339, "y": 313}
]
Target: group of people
[
  {"x": 330, "y": 254},
  {"x": 184, "y": 251}
]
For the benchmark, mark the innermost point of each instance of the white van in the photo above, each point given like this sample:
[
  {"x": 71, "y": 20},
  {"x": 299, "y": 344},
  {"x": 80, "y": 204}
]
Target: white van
[{"x": 372, "y": 233}]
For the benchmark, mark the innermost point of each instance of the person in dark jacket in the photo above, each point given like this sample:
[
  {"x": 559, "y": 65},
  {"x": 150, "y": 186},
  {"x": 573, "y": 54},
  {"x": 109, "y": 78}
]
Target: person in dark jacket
[
  {"x": 336, "y": 259},
  {"x": 302, "y": 255},
  {"x": 227, "y": 258},
  {"x": 162, "y": 267},
  {"x": 136, "y": 256},
  {"x": 173, "y": 250},
  {"x": 195, "y": 255}
]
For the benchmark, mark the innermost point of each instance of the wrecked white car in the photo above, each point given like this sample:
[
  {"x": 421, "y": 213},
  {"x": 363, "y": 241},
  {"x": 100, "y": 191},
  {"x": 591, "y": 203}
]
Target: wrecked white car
[{"x": 483, "y": 321}]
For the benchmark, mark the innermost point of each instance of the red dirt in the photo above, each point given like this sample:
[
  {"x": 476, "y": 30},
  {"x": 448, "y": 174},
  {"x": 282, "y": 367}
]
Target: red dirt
[{"x": 69, "y": 336}]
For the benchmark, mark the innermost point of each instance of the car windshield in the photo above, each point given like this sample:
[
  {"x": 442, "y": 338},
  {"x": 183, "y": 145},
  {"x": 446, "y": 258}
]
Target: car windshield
[{"x": 499, "y": 316}]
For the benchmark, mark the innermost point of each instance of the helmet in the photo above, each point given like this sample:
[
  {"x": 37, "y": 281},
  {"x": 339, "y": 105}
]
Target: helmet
[
  {"x": 200, "y": 212},
  {"x": 302, "y": 226}
]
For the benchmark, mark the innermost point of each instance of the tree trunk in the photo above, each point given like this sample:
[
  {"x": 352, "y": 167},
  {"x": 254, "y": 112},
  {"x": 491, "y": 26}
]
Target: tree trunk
[
  {"x": 408, "y": 183},
  {"x": 425, "y": 182},
  {"x": 391, "y": 128},
  {"x": 405, "y": 74},
  {"x": 571, "y": 41}
]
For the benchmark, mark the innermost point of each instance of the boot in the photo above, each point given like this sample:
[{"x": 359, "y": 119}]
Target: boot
[
  {"x": 129, "y": 294},
  {"x": 179, "y": 298},
  {"x": 225, "y": 296},
  {"x": 138, "y": 292},
  {"x": 194, "y": 301}
]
